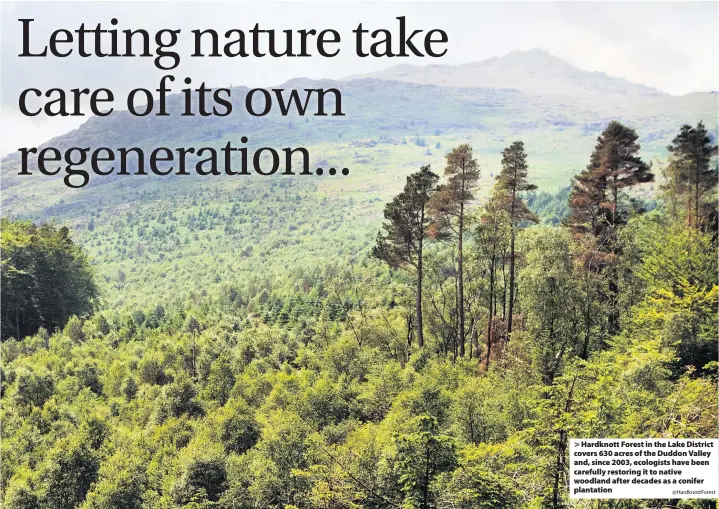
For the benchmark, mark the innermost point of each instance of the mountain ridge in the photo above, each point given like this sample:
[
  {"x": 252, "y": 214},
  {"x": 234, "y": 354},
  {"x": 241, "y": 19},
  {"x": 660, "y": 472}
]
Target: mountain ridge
[{"x": 534, "y": 71}]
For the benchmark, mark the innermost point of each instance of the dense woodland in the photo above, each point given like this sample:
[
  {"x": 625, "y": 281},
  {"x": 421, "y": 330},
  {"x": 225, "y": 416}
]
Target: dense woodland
[{"x": 445, "y": 367}]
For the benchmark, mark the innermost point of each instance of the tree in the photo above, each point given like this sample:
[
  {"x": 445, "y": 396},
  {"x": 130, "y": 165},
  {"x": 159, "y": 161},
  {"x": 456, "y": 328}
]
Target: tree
[
  {"x": 121, "y": 482},
  {"x": 46, "y": 278},
  {"x": 406, "y": 228},
  {"x": 594, "y": 202},
  {"x": 613, "y": 166},
  {"x": 220, "y": 380},
  {"x": 551, "y": 299},
  {"x": 422, "y": 455},
  {"x": 73, "y": 329},
  {"x": 20, "y": 495},
  {"x": 617, "y": 150},
  {"x": 678, "y": 271},
  {"x": 179, "y": 398},
  {"x": 129, "y": 389},
  {"x": 449, "y": 207},
  {"x": 511, "y": 182},
  {"x": 690, "y": 172},
  {"x": 69, "y": 471},
  {"x": 473, "y": 487},
  {"x": 201, "y": 472},
  {"x": 238, "y": 428},
  {"x": 491, "y": 243},
  {"x": 151, "y": 371}
]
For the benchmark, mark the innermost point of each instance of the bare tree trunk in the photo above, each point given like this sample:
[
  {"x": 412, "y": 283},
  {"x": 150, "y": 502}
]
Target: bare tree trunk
[
  {"x": 689, "y": 210},
  {"x": 613, "y": 324},
  {"x": 696, "y": 194},
  {"x": 420, "y": 332},
  {"x": 489, "y": 320},
  {"x": 511, "y": 262},
  {"x": 511, "y": 283},
  {"x": 425, "y": 486},
  {"x": 461, "y": 281},
  {"x": 504, "y": 288},
  {"x": 587, "y": 327},
  {"x": 475, "y": 339},
  {"x": 561, "y": 451},
  {"x": 409, "y": 330}
]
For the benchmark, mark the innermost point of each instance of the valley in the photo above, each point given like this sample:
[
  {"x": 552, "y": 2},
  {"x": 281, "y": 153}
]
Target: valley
[{"x": 500, "y": 269}]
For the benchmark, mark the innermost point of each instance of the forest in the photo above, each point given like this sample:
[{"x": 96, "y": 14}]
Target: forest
[{"x": 446, "y": 365}]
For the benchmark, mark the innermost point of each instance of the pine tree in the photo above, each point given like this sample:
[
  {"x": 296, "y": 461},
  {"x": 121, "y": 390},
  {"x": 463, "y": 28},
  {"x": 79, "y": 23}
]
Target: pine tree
[
  {"x": 613, "y": 166},
  {"x": 690, "y": 169},
  {"x": 594, "y": 201},
  {"x": 449, "y": 208},
  {"x": 616, "y": 151},
  {"x": 511, "y": 182},
  {"x": 406, "y": 229}
]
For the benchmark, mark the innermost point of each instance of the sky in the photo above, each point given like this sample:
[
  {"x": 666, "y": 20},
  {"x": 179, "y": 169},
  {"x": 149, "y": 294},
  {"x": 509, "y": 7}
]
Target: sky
[{"x": 670, "y": 46}]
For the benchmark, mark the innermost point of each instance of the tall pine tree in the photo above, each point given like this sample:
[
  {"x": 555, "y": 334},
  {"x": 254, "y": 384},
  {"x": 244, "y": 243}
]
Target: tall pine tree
[
  {"x": 595, "y": 206},
  {"x": 690, "y": 169},
  {"x": 613, "y": 166},
  {"x": 406, "y": 229},
  {"x": 511, "y": 183},
  {"x": 450, "y": 207}
]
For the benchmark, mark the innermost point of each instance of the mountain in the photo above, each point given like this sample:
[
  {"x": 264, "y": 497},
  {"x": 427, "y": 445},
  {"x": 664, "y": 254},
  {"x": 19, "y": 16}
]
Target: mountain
[
  {"x": 183, "y": 235},
  {"x": 535, "y": 72}
]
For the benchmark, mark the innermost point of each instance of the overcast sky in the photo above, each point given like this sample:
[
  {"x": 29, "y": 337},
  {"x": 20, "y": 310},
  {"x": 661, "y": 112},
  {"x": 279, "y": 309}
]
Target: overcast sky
[{"x": 671, "y": 46}]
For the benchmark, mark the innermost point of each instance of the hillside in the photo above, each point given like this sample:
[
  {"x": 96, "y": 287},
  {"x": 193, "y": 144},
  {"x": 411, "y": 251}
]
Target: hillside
[{"x": 390, "y": 129}]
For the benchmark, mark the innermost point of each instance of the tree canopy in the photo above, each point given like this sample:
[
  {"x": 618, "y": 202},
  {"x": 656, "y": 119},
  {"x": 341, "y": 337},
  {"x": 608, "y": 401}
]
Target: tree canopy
[
  {"x": 310, "y": 392},
  {"x": 46, "y": 278}
]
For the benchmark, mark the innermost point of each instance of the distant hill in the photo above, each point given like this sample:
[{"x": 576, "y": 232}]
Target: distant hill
[
  {"x": 535, "y": 72},
  {"x": 559, "y": 131}
]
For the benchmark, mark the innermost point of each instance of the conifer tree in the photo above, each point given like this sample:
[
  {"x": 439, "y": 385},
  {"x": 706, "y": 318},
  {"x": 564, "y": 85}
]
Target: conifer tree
[
  {"x": 613, "y": 166},
  {"x": 690, "y": 169},
  {"x": 617, "y": 153},
  {"x": 406, "y": 229},
  {"x": 594, "y": 201},
  {"x": 511, "y": 182},
  {"x": 449, "y": 207}
]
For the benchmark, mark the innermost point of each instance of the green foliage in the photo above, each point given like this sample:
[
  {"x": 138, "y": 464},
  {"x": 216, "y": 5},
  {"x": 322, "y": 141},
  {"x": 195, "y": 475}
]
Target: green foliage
[
  {"x": 238, "y": 428},
  {"x": 691, "y": 177},
  {"x": 45, "y": 278},
  {"x": 302, "y": 388},
  {"x": 422, "y": 455},
  {"x": 201, "y": 473},
  {"x": 407, "y": 221},
  {"x": 73, "y": 329},
  {"x": 680, "y": 308},
  {"x": 551, "y": 208},
  {"x": 121, "y": 484},
  {"x": 407, "y": 227},
  {"x": 178, "y": 398},
  {"x": 478, "y": 488},
  {"x": 69, "y": 470}
]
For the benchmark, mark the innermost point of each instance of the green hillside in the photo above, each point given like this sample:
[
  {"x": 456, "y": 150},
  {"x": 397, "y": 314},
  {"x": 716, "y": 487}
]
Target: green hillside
[{"x": 176, "y": 235}]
